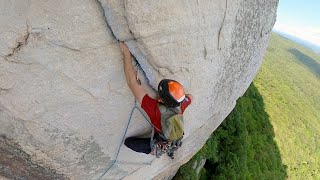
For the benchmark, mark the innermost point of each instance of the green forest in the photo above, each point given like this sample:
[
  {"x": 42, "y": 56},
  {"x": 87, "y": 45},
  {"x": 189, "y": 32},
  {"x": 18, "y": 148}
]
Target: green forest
[{"x": 274, "y": 130}]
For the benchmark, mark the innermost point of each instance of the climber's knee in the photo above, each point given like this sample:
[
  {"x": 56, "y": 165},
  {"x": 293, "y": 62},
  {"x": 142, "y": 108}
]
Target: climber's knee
[
  {"x": 128, "y": 142},
  {"x": 141, "y": 145}
]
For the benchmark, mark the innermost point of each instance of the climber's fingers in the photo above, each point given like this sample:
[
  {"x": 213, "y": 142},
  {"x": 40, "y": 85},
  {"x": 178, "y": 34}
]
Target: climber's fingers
[{"x": 124, "y": 49}]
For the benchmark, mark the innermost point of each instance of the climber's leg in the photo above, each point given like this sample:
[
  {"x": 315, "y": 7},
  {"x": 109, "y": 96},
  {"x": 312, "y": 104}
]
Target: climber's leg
[{"x": 138, "y": 144}]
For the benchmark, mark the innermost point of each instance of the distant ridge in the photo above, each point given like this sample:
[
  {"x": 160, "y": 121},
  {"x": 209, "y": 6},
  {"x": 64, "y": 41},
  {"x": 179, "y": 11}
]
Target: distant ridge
[{"x": 307, "y": 44}]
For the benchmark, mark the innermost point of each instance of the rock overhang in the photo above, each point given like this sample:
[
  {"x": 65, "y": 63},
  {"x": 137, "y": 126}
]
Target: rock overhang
[{"x": 63, "y": 94}]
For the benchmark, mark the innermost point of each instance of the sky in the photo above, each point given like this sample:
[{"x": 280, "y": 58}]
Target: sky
[{"x": 300, "y": 18}]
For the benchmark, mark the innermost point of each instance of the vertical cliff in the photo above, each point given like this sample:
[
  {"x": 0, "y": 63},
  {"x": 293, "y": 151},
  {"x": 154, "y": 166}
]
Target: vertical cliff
[{"x": 64, "y": 102}]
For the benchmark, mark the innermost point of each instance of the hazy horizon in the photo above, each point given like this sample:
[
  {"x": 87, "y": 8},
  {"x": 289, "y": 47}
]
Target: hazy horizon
[
  {"x": 305, "y": 43},
  {"x": 299, "y": 19}
]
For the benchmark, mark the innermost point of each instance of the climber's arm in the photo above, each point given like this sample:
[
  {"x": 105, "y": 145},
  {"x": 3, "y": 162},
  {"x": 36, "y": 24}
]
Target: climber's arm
[{"x": 132, "y": 82}]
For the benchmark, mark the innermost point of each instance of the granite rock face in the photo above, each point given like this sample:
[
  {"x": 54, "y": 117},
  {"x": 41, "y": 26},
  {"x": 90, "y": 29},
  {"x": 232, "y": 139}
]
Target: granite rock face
[{"x": 63, "y": 94}]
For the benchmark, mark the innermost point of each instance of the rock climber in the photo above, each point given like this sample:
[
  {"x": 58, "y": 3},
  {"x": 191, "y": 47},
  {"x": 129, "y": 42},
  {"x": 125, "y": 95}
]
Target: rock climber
[{"x": 171, "y": 94}]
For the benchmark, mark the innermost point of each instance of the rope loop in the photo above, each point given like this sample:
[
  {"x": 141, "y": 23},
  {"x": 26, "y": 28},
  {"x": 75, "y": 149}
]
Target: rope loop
[{"x": 124, "y": 135}]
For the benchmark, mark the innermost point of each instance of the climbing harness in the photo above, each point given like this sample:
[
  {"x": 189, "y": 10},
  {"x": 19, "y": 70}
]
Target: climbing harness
[{"x": 161, "y": 147}]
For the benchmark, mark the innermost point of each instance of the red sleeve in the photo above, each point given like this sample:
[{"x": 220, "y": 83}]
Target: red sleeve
[
  {"x": 150, "y": 106},
  {"x": 185, "y": 103}
]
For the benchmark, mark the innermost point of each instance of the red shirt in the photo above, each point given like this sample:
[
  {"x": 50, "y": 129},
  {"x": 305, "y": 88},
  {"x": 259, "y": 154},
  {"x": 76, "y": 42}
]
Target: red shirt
[{"x": 150, "y": 106}]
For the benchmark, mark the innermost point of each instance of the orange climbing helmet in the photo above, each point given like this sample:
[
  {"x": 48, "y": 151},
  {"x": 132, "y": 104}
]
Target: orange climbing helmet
[{"x": 171, "y": 92}]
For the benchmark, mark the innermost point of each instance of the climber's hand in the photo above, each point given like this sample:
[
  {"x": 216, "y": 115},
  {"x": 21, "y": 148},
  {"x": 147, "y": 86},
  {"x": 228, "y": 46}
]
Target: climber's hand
[
  {"x": 131, "y": 76},
  {"x": 125, "y": 49}
]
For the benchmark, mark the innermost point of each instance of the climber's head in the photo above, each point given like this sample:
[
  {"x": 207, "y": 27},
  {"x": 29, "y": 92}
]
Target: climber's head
[{"x": 171, "y": 92}]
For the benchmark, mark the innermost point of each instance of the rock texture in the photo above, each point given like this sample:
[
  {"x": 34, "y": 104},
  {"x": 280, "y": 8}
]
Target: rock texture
[{"x": 63, "y": 95}]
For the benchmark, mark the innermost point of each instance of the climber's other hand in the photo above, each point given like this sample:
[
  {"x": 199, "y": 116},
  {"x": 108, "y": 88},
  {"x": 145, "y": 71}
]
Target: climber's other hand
[{"x": 124, "y": 49}]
